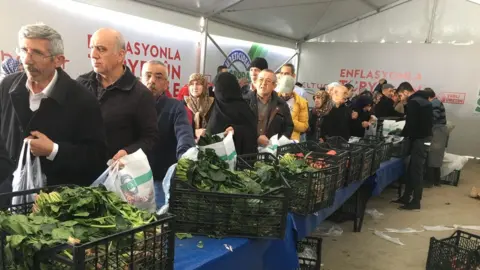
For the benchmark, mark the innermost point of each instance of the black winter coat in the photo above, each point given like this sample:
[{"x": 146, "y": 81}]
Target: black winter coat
[
  {"x": 356, "y": 128},
  {"x": 281, "y": 120},
  {"x": 128, "y": 110},
  {"x": 385, "y": 108},
  {"x": 337, "y": 122},
  {"x": 70, "y": 117},
  {"x": 419, "y": 122}
]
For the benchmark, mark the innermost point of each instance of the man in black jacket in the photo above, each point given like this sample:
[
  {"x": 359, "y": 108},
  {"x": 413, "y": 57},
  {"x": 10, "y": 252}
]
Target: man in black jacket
[
  {"x": 340, "y": 118},
  {"x": 258, "y": 64},
  {"x": 385, "y": 107},
  {"x": 418, "y": 129},
  {"x": 128, "y": 107},
  {"x": 175, "y": 131},
  {"x": 272, "y": 112},
  {"x": 45, "y": 105}
]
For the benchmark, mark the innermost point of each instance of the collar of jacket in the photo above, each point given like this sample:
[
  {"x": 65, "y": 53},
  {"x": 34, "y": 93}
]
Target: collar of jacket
[
  {"x": 58, "y": 92},
  {"x": 126, "y": 82}
]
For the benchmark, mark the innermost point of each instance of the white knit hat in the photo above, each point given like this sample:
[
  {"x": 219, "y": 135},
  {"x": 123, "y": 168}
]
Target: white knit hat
[{"x": 286, "y": 84}]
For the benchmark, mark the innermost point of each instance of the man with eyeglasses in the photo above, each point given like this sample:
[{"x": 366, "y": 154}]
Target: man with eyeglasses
[
  {"x": 61, "y": 119},
  {"x": 175, "y": 131},
  {"x": 127, "y": 106},
  {"x": 272, "y": 112}
]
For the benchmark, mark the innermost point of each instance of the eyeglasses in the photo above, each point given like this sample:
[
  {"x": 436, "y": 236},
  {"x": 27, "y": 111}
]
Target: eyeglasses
[
  {"x": 262, "y": 81},
  {"x": 34, "y": 55}
]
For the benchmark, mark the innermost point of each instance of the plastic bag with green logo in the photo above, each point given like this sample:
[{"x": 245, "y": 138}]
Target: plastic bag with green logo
[
  {"x": 224, "y": 149},
  {"x": 132, "y": 180}
]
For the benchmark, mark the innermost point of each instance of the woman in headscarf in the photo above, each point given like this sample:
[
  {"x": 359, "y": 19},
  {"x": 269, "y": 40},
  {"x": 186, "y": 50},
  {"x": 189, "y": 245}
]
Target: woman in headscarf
[
  {"x": 363, "y": 106},
  {"x": 231, "y": 113},
  {"x": 323, "y": 105},
  {"x": 199, "y": 103},
  {"x": 10, "y": 66}
]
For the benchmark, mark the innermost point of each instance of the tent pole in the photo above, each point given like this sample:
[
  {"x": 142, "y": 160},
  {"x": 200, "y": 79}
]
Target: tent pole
[
  {"x": 203, "y": 48},
  {"x": 297, "y": 63},
  {"x": 432, "y": 23},
  {"x": 222, "y": 52},
  {"x": 288, "y": 60}
]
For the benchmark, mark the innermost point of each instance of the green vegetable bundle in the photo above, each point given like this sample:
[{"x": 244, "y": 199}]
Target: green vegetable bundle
[
  {"x": 69, "y": 215},
  {"x": 210, "y": 173},
  {"x": 209, "y": 139}
]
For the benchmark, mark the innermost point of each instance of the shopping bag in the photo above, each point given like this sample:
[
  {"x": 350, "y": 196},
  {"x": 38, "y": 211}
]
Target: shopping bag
[
  {"x": 273, "y": 144},
  {"x": 27, "y": 176},
  {"x": 451, "y": 163},
  {"x": 132, "y": 180},
  {"x": 224, "y": 149},
  {"x": 392, "y": 125},
  {"x": 166, "y": 189},
  {"x": 372, "y": 129}
]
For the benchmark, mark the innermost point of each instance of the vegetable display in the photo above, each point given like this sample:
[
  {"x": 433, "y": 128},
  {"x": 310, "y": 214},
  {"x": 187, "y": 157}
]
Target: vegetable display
[
  {"x": 210, "y": 173},
  {"x": 69, "y": 216},
  {"x": 209, "y": 139},
  {"x": 211, "y": 199}
]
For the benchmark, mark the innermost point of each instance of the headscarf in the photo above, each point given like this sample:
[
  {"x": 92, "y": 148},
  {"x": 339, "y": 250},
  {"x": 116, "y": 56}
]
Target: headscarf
[
  {"x": 327, "y": 105},
  {"x": 200, "y": 106},
  {"x": 229, "y": 107},
  {"x": 10, "y": 65}
]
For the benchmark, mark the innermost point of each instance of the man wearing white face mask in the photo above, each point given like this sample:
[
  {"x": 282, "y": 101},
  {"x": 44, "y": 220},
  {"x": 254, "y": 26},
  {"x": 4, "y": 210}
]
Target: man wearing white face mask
[{"x": 199, "y": 103}]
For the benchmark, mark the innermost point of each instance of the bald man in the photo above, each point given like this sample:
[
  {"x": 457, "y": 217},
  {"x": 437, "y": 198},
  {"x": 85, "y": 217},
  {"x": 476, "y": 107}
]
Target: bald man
[
  {"x": 339, "y": 120},
  {"x": 128, "y": 107}
]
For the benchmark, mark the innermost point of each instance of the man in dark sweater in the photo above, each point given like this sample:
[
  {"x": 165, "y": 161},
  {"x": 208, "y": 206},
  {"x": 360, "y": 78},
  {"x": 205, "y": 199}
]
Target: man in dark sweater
[
  {"x": 418, "y": 129},
  {"x": 175, "y": 131},
  {"x": 338, "y": 121},
  {"x": 386, "y": 107},
  {"x": 128, "y": 108}
]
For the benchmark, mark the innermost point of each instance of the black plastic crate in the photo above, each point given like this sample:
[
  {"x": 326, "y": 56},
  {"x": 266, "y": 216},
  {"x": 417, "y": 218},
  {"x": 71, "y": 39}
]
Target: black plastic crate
[
  {"x": 451, "y": 179},
  {"x": 236, "y": 215},
  {"x": 150, "y": 246},
  {"x": 461, "y": 251},
  {"x": 380, "y": 148},
  {"x": 315, "y": 150},
  {"x": 367, "y": 163},
  {"x": 355, "y": 157},
  {"x": 400, "y": 149},
  {"x": 310, "y": 253},
  {"x": 354, "y": 208}
]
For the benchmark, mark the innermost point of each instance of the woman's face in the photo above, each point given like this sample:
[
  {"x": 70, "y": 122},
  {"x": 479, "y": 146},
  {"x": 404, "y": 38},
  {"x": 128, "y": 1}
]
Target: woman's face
[
  {"x": 318, "y": 102},
  {"x": 195, "y": 88}
]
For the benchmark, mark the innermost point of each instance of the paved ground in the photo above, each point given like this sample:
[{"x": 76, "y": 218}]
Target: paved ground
[{"x": 445, "y": 205}]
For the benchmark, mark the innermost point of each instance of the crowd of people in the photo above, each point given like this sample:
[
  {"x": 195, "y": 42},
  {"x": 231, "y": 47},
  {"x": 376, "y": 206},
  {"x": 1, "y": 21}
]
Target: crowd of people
[{"x": 75, "y": 126}]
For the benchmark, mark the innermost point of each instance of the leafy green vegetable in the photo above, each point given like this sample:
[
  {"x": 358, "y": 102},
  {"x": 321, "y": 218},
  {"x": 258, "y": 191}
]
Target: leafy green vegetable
[
  {"x": 209, "y": 139},
  {"x": 200, "y": 244},
  {"x": 183, "y": 235}
]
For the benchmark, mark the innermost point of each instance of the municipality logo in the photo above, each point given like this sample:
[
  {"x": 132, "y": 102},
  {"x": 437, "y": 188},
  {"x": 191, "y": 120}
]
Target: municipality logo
[{"x": 238, "y": 56}]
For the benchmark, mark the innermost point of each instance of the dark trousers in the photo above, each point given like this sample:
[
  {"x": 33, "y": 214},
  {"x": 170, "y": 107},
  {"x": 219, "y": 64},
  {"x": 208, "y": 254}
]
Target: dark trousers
[
  {"x": 433, "y": 176},
  {"x": 414, "y": 177}
]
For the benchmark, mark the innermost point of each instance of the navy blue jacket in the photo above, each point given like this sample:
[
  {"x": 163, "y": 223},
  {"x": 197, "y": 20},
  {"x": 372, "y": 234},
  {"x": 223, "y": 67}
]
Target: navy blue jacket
[
  {"x": 439, "y": 117},
  {"x": 175, "y": 135}
]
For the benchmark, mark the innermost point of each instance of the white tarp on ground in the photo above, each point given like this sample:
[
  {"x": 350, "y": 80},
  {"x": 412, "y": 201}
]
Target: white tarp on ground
[{"x": 448, "y": 69}]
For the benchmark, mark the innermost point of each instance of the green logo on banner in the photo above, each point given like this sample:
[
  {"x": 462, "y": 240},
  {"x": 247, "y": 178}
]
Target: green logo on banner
[
  {"x": 243, "y": 60},
  {"x": 477, "y": 109}
]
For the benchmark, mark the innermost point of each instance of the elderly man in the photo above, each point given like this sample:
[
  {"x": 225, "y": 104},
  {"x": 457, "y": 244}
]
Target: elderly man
[
  {"x": 272, "y": 112},
  {"x": 289, "y": 70},
  {"x": 386, "y": 107},
  {"x": 339, "y": 120},
  {"x": 45, "y": 105},
  {"x": 175, "y": 131},
  {"x": 258, "y": 64},
  {"x": 298, "y": 105},
  {"x": 127, "y": 106}
]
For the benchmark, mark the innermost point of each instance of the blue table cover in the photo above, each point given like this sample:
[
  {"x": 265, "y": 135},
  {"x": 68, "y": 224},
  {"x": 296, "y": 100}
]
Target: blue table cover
[
  {"x": 389, "y": 172},
  {"x": 261, "y": 254}
]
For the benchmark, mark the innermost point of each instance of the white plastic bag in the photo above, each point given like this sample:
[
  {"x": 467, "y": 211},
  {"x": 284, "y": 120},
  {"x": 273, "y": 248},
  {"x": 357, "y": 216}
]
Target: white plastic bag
[
  {"x": 273, "y": 144},
  {"x": 388, "y": 238},
  {"x": 224, "y": 149},
  {"x": 132, "y": 180},
  {"x": 166, "y": 188},
  {"x": 372, "y": 129},
  {"x": 28, "y": 176},
  {"x": 452, "y": 162},
  {"x": 391, "y": 125}
]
